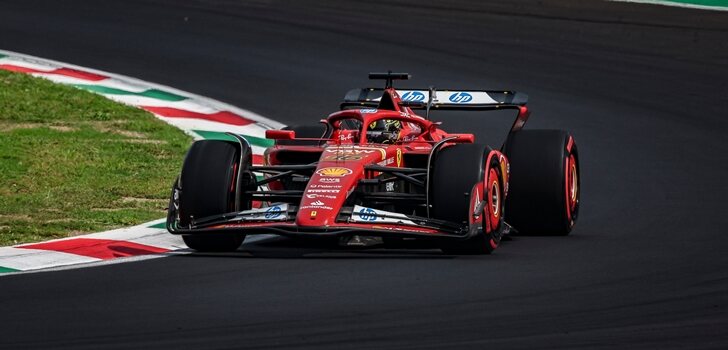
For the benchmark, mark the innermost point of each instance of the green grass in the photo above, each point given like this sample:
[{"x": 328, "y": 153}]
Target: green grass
[{"x": 73, "y": 162}]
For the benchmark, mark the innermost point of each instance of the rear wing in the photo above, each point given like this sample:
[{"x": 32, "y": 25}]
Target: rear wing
[
  {"x": 442, "y": 99},
  {"x": 473, "y": 100}
]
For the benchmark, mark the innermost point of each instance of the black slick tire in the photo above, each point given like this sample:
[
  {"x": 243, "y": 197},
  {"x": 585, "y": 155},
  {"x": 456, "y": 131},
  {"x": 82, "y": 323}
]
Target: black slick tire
[
  {"x": 208, "y": 175},
  {"x": 455, "y": 171},
  {"x": 544, "y": 186}
]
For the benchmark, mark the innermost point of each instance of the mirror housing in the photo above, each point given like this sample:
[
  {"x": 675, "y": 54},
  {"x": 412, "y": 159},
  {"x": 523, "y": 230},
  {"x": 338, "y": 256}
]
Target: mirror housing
[
  {"x": 280, "y": 134},
  {"x": 463, "y": 138}
]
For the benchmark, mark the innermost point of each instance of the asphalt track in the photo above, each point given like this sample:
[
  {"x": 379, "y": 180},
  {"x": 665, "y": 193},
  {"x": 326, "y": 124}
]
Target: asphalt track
[{"x": 642, "y": 88}]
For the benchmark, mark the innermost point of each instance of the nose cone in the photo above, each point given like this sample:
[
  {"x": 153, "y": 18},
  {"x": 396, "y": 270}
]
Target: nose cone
[
  {"x": 325, "y": 193},
  {"x": 338, "y": 173}
]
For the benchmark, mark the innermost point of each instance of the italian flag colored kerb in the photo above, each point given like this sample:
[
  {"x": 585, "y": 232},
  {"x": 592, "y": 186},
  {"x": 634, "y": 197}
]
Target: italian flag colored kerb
[{"x": 201, "y": 117}]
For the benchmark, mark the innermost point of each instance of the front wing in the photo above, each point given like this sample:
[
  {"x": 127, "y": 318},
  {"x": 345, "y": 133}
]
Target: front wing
[{"x": 355, "y": 220}]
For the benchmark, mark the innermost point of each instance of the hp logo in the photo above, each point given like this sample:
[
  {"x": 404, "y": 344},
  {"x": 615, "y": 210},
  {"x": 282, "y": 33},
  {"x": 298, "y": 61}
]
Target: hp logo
[
  {"x": 273, "y": 212},
  {"x": 368, "y": 214},
  {"x": 413, "y": 96},
  {"x": 461, "y": 97}
]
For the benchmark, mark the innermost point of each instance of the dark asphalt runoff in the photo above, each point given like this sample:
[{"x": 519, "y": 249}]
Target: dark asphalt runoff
[{"x": 643, "y": 89}]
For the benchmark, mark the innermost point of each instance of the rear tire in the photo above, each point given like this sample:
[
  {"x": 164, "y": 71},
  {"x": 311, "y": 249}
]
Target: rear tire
[
  {"x": 207, "y": 186},
  {"x": 456, "y": 170},
  {"x": 544, "y": 186}
]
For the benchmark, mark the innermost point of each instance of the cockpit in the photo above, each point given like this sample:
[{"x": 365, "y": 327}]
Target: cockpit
[{"x": 381, "y": 127}]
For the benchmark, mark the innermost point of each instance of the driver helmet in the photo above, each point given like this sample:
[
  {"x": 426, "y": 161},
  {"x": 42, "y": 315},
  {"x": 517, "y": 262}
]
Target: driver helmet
[{"x": 384, "y": 131}]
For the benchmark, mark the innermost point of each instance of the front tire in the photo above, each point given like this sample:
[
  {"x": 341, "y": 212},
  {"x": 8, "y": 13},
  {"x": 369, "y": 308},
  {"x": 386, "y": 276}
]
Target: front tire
[
  {"x": 207, "y": 187},
  {"x": 457, "y": 169}
]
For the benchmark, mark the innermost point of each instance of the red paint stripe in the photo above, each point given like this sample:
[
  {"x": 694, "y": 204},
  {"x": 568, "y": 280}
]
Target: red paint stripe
[
  {"x": 60, "y": 71},
  {"x": 257, "y": 159},
  {"x": 220, "y": 117},
  {"x": 18, "y": 69},
  {"x": 79, "y": 74},
  {"x": 97, "y": 248}
]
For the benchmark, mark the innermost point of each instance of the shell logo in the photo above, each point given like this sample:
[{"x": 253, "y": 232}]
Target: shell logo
[{"x": 334, "y": 171}]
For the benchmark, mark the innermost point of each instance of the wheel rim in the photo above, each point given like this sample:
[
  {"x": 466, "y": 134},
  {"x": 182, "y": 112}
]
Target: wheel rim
[
  {"x": 572, "y": 189},
  {"x": 494, "y": 199},
  {"x": 573, "y": 183}
]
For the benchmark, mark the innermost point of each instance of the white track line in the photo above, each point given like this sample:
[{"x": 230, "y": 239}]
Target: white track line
[{"x": 675, "y": 4}]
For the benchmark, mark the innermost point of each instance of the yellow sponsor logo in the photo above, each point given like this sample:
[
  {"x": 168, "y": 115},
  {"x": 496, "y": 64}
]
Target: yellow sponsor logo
[
  {"x": 334, "y": 171},
  {"x": 399, "y": 158}
]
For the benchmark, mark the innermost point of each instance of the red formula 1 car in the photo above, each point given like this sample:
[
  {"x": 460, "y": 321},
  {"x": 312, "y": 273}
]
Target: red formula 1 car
[{"x": 377, "y": 169}]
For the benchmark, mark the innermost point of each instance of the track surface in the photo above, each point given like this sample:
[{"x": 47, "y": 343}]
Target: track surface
[{"x": 642, "y": 88}]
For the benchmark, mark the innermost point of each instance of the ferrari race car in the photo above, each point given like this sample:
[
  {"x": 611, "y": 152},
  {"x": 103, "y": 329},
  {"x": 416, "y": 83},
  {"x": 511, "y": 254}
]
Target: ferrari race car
[{"x": 377, "y": 169}]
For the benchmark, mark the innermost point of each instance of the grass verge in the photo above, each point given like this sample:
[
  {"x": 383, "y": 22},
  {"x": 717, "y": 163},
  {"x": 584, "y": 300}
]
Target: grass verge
[{"x": 74, "y": 162}]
